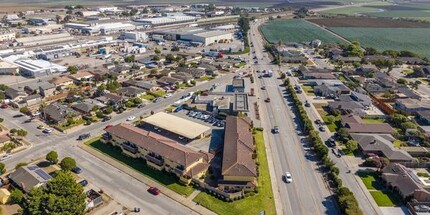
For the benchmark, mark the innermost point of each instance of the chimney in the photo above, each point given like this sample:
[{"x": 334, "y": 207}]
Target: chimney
[{"x": 373, "y": 141}]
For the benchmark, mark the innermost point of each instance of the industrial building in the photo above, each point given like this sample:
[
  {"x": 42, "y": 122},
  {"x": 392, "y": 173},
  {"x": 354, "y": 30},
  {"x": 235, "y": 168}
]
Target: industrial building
[
  {"x": 7, "y": 68},
  {"x": 7, "y": 35},
  {"x": 37, "y": 68},
  {"x": 42, "y": 29},
  {"x": 195, "y": 35},
  {"x": 76, "y": 26},
  {"x": 53, "y": 52},
  {"x": 133, "y": 36},
  {"x": 43, "y": 39},
  {"x": 177, "y": 125},
  {"x": 167, "y": 20},
  {"x": 108, "y": 28}
]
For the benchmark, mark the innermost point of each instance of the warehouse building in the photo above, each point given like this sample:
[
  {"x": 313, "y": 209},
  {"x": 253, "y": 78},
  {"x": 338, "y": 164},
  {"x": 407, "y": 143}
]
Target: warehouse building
[
  {"x": 195, "y": 35},
  {"x": 7, "y": 35},
  {"x": 133, "y": 36},
  {"x": 37, "y": 68},
  {"x": 45, "y": 29},
  {"x": 53, "y": 52},
  {"x": 76, "y": 26},
  {"x": 108, "y": 28},
  {"x": 167, "y": 20},
  {"x": 7, "y": 68},
  {"x": 43, "y": 39},
  {"x": 177, "y": 125}
]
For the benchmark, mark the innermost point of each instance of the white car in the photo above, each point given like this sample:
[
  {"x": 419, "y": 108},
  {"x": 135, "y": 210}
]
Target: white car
[
  {"x": 131, "y": 118},
  {"x": 47, "y": 131},
  {"x": 4, "y": 157},
  {"x": 167, "y": 95},
  {"x": 288, "y": 177}
]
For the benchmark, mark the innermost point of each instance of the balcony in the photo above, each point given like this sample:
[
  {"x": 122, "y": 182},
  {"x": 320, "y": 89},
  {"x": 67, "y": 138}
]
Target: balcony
[
  {"x": 129, "y": 148},
  {"x": 178, "y": 171},
  {"x": 158, "y": 161}
]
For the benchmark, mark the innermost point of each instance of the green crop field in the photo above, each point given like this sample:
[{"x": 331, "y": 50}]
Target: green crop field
[
  {"x": 412, "y": 39},
  {"x": 296, "y": 30},
  {"x": 401, "y": 13},
  {"x": 351, "y": 10}
]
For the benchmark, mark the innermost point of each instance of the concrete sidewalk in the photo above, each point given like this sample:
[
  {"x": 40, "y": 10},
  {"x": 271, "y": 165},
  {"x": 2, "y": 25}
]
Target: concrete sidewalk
[{"x": 140, "y": 177}]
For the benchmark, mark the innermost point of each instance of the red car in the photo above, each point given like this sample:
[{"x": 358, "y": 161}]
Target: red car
[
  {"x": 108, "y": 126},
  {"x": 4, "y": 106},
  {"x": 153, "y": 190}
]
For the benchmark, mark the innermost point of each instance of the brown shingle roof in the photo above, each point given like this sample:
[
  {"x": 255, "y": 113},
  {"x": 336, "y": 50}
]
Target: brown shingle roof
[
  {"x": 167, "y": 148},
  {"x": 238, "y": 149},
  {"x": 60, "y": 80},
  {"x": 381, "y": 128},
  {"x": 81, "y": 74}
]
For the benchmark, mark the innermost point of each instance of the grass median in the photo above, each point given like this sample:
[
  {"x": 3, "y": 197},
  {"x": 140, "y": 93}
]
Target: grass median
[
  {"x": 262, "y": 201},
  {"x": 139, "y": 165}
]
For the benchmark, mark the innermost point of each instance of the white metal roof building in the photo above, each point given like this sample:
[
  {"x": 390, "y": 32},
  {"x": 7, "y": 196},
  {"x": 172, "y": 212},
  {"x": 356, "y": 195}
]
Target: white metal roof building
[
  {"x": 178, "y": 125},
  {"x": 44, "y": 39},
  {"x": 167, "y": 20},
  {"x": 109, "y": 28},
  {"x": 208, "y": 37},
  {"x": 37, "y": 68}
]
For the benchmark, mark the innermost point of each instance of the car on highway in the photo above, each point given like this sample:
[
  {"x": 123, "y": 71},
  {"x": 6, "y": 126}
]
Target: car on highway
[
  {"x": 84, "y": 136},
  {"x": 307, "y": 104},
  {"x": 47, "y": 131},
  {"x": 318, "y": 122},
  {"x": 267, "y": 100},
  {"x": 167, "y": 95},
  {"x": 4, "y": 157},
  {"x": 154, "y": 191},
  {"x": 141, "y": 106},
  {"x": 77, "y": 170},
  {"x": 131, "y": 118},
  {"x": 335, "y": 152},
  {"x": 40, "y": 127},
  {"x": 157, "y": 100},
  {"x": 275, "y": 129},
  {"x": 83, "y": 183},
  {"x": 287, "y": 177},
  {"x": 263, "y": 87},
  {"x": 107, "y": 118}
]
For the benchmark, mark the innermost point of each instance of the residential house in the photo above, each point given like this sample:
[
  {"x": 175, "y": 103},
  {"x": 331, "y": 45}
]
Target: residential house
[
  {"x": 406, "y": 182},
  {"x": 340, "y": 58},
  {"x": 100, "y": 75},
  {"x": 32, "y": 88},
  {"x": 411, "y": 106},
  {"x": 328, "y": 90},
  {"x": 61, "y": 82},
  {"x": 195, "y": 72},
  {"x": 238, "y": 168},
  {"x": 28, "y": 177},
  {"x": 81, "y": 77},
  {"x": 347, "y": 107},
  {"x": 32, "y": 101},
  {"x": 381, "y": 144},
  {"x": 374, "y": 87},
  {"x": 183, "y": 76},
  {"x": 131, "y": 91},
  {"x": 208, "y": 68},
  {"x": 366, "y": 69},
  {"x": 424, "y": 116},
  {"x": 114, "y": 99},
  {"x": 356, "y": 125},
  {"x": 361, "y": 98},
  {"x": 168, "y": 81},
  {"x": 318, "y": 75},
  {"x": 84, "y": 108},
  {"x": 412, "y": 60},
  {"x": 146, "y": 85},
  {"x": 160, "y": 152},
  {"x": 15, "y": 94},
  {"x": 385, "y": 81},
  {"x": 59, "y": 114},
  {"x": 404, "y": 92},
  {"x": 47, "y": 89}
]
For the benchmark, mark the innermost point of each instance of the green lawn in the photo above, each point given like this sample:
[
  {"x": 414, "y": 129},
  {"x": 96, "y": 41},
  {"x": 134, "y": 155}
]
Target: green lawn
[
  {"x": 369, "y": 179},
  {"x": 169, "y": 108},
  {"x": 373, "y": 121},
  {"x": 148, "y": 97},
  {"x": 309, "y": 90},
  {"x": 169, "y": 181},
  {"x": 351, "y": 10},
  {"x": 384, "y": 199},
  {"x": 399, "y": 143},
  {"x": 159, "y": 93},
  {"x": 262, "y": 201},
  {"x": 206, "y": 78},
  {"x": 77, "y": 122}
]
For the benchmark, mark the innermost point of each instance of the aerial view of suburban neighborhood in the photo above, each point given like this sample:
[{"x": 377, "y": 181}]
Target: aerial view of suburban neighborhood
[{"x": 204, "y": 107}]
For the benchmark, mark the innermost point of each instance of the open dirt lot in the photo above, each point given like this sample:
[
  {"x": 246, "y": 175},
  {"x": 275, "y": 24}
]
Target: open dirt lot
[{"x": 368, "y": 22}]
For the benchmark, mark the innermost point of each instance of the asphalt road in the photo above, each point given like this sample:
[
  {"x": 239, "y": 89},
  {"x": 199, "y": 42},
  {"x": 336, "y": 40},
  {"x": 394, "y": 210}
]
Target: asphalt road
[
  {"x": 123, "y": 188},
  {"x": 307, "y": 194}
]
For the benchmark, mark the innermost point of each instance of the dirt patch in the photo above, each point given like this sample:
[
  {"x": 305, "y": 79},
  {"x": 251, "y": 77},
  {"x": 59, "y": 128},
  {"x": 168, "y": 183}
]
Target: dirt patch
[{"x": 368, "y": 22}]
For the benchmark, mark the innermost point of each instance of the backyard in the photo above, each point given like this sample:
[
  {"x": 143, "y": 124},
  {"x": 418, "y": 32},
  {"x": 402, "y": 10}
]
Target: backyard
[
  {"x": 322, "y": 111},
  {"x": 169, "y": 181},
  {"x": 296, "y": 30},
  {"x": 382, "y": 196},
  {"x": 373, "y": 120},
  {"x": 261, "y": 201}
]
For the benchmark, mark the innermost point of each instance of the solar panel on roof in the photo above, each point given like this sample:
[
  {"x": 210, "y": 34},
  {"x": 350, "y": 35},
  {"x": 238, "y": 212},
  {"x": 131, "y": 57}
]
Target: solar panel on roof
[
  {"x": 32, "y": 168},
  {"x": 43, "y": 174}
]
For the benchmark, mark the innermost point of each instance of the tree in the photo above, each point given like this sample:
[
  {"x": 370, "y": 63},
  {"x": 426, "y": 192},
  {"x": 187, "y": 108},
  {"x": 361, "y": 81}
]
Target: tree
[
  {"x": 129, "y": 58},
  {"x": 2, "y": 168},
  {"x": 108, "y": 110},
  {"x": 418, "y": 72},
  {"x": 157, "y": 51},
  {"x": 156, "y": 58},
  {"x": 3, "y": 87},
  {"x": 62, "y": 195},
  {"x": 21, "y": 132},
  {"x": 100, "y": 114},
  {"x": 330, "y": 119},
  {"x": 170, "y": 57},
  {"x": 20, "y": 165},
  {"x": 193, "y": 82},
  {"x": 136, "y": 101},
  {"x": 1, "y": 120},
  {"x": 402, "y": 81},
  {"x": 68, "y": 164},
  {"x": 408, "y": 125},
  {"x": 175, "y": 49},
  {"x": 343, "y": 132},
  {"x": 52, "y": 157},
  {"x": 391, "y": 53},
  {"x": 210, "y": 7},
  {"x": 352, "y": 145},
  {"x": 16, "y": 196},
  {"x": 370, "y": 51},
  {"x": 72, "y": 69},
  {"x": 128, "y": 104},
  {"x": 133, "y": 12},
  {"x": 24, "y": 110}
]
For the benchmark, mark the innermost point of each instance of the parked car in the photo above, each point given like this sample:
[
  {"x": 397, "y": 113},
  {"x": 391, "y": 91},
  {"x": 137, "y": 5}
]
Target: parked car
[
  {"x": 4, "y": 157},
  {"x": 4, "y": 106},
  {"x": 18, "y": 115},
  {"x": 322, "y": 128},
  {"x": 307, "y": 104},
  {"x": 41, "y": 127},
  {"x": 267, "y": 100},
  {"x": 167, "y": 95},
  {"x": 47, "y": 131},
  {"x": 156, "y": 100},
  {"x": 335, "y": 152},
  {"x": 107, "y": 118},
  {"x": 83, "y": 183},
  {"x": 331, "y": 142},
  {"x": 108, "y": 126},
  {"x": 131, "y": 118},
  {"x": 275, "y": 129},
  {"x": 287, "y": 177},
  {"x": 318, "y": 122},
  {"x": 77, "y": 170},
  {"x": 141, "y": 106},
  {"x": 263, "y": 87},
  {"x": 84, "y": 136},
  {"x": 153, "y": 190},
  {"x": 421, "y": 208}
]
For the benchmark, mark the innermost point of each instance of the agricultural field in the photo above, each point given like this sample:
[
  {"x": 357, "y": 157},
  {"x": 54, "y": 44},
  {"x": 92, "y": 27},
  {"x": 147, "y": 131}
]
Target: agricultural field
[
  {"x": 368, "y": 22},
  {"x": 296, "y": 30},
  {"x": 411, "y": 39},
  {"x": 355, "y": 10}
]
